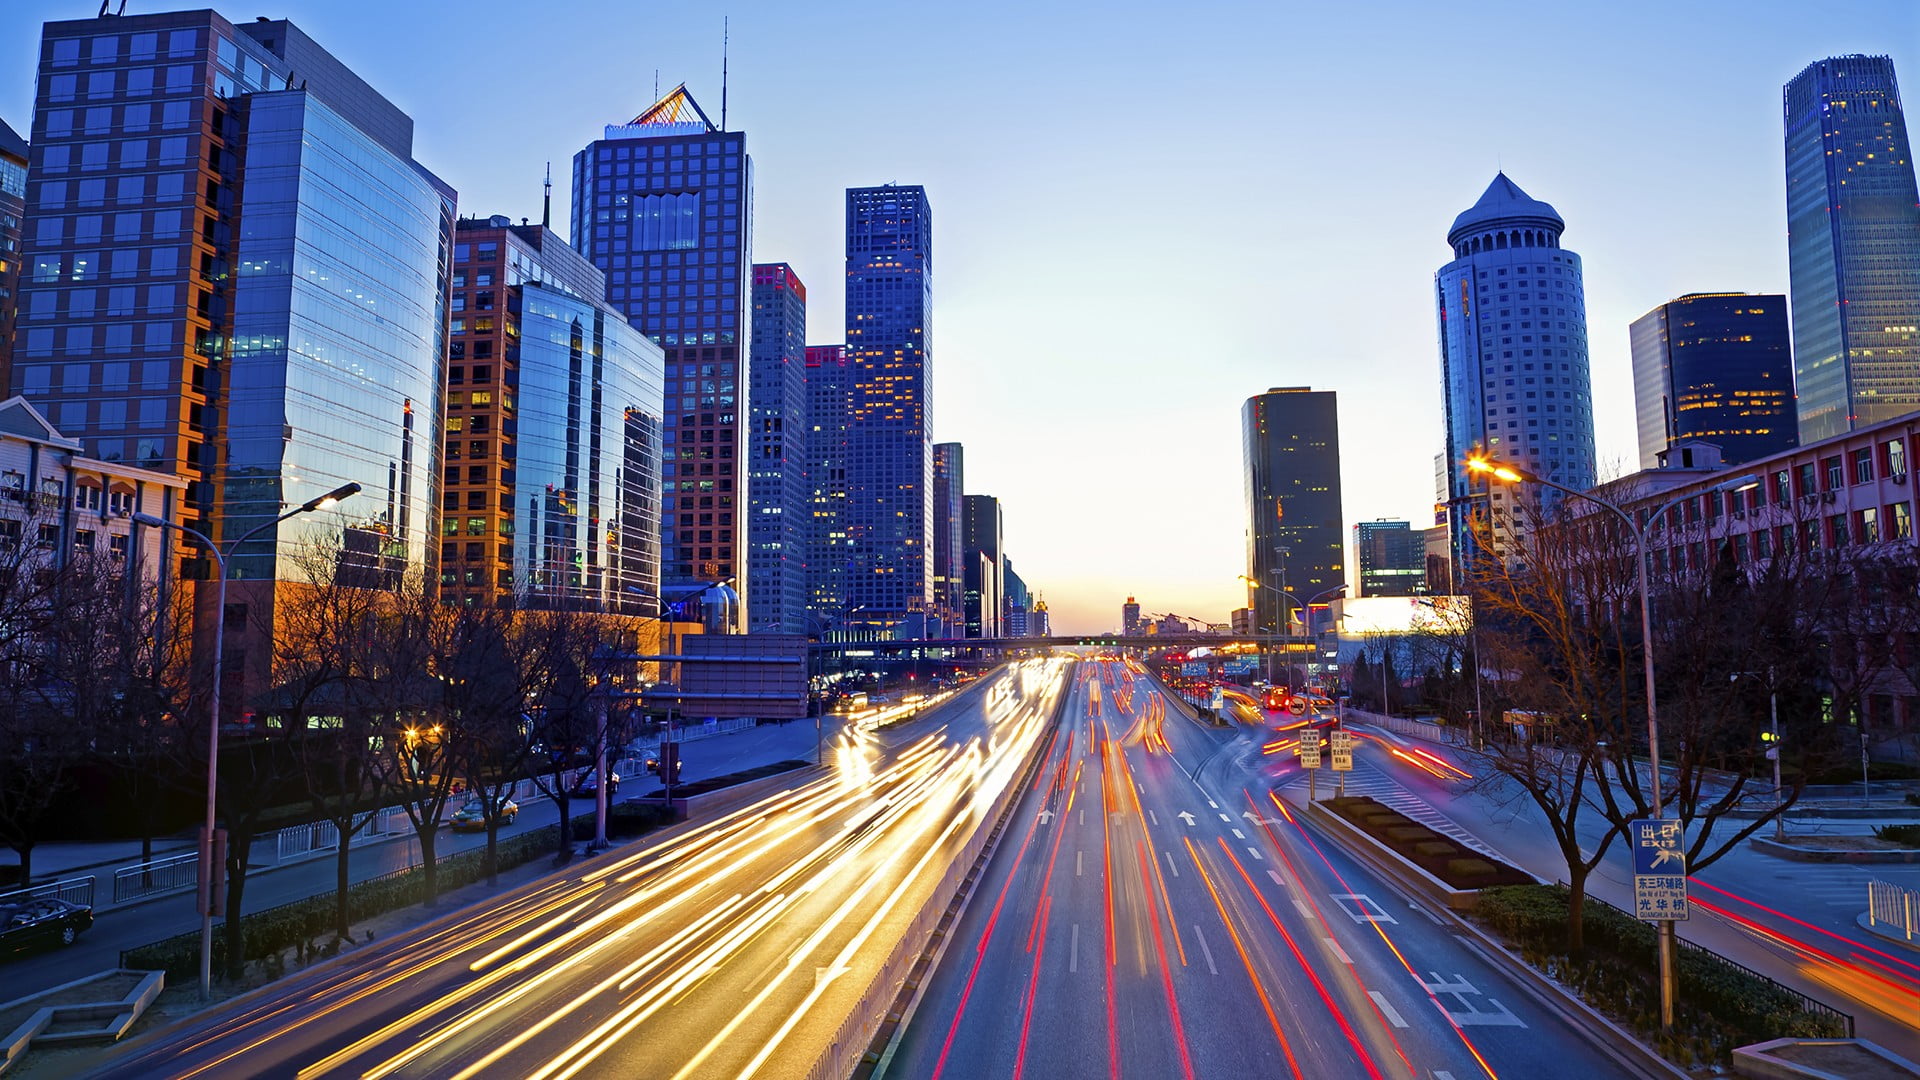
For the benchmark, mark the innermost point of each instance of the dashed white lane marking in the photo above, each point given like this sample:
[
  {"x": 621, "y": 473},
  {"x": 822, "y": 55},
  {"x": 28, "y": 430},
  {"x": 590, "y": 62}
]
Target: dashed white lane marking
[
  {"x": 1215, "y": 805},
  {"x": 1393, "y": 1015},
  {"x": 1152, "y": 818},
  {"x": 1255, "y": 852},
  {"x": 1238, "y": 835},
  {"x": 1435, "y": 919},
  {"x": 1173, "y": 866},
  {"x": 1275, "y": 875},
  {"x": 1338, "y": 951},
  {"x": 1442, "y": 1074},
  {"x": 1305, "y": 911},
  {"x": 1077, "y": 868},
  {"x": 1073, "y": 950},
  {"x": 1204, "y": 951},
  {"x": 1083, "y": 815},
  {"x": 1224, "y": 817}
]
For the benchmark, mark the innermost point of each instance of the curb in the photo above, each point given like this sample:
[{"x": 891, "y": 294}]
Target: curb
[
  {"x": 1902, "y": 940},
  {"x": 1831, "y": 855}
]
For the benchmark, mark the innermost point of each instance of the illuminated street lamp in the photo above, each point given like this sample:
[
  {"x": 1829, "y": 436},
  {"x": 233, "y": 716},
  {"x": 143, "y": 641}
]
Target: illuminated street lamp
[
  {"x": 213, "y": 700},
  {"x": 1513, "y": 474},
  {"x": 1306, "y": 609}
]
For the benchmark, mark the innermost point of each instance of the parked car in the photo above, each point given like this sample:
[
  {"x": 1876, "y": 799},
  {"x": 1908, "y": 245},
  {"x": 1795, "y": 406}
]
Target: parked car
[
  {"x": 472, "y": 815},
  {"x": 589, "y": 780},
  {"x": 30, "y": 924}
]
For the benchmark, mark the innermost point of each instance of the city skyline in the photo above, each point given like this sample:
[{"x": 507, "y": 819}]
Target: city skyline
[{"x": 1142, "y": 326}]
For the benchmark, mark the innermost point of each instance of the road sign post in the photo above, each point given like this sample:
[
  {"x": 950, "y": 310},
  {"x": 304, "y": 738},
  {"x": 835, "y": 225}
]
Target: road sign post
[
  {"x": 1659, "y": 870},
  {"x": 1309, "y": 755},
  {"x": 1342, "y": 756}
]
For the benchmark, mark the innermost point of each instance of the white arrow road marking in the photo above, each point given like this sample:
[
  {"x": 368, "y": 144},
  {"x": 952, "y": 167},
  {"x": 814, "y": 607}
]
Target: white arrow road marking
[
  {"x": 1386, "y": 1010},
  {"x": 1186, "y": 817},
  {"x": 1204, "y": 951},
  {"x": 1046, "y": 816}
]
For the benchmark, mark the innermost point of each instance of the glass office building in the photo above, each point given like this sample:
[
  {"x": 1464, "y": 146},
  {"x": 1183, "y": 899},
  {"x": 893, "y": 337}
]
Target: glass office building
[
  {"x": 1389, "y": 559},
  {"x": 1853, "y": 246},
  {"x": 889, "y": 309},
  {"x": 663, "y": 205},
  {"x": 1513, "y": 358},
  {"x": 949, "y": 536},
  {"x": 13, "y": 207},
  {"x": 1717, "y": 367},
  {"x": 829, "y": 403},
  {"x": 777, "y": 502},
  {"x": 984, "y": 576},
  {"x": 1290, "y": 441}
]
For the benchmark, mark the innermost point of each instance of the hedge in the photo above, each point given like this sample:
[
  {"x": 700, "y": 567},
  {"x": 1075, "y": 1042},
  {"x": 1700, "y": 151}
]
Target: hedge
[
  {"x": 1720, "y": 1006},
  {"x": 302, "y": 923},
  {"x": 1438, "y": 854}
]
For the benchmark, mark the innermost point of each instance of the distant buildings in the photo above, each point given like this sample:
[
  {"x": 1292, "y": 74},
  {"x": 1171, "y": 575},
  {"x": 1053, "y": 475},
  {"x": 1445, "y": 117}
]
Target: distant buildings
[
  {"x": 13, "y": 207},
  {"x": 663, "y": 204},
  {"x": 1853, "y": 246},
  {"x": 553, "y": 431},
  {"x": 777, "y": 497},
  {"x": 1513, "y": 357},
  {"x": 888, "y": 513},
  {"x": 829, "y": 556},
  {"x": 1390, "y": 559},
  {"x": 1437, "y": 545},
  {"x": 58, "y": 505},
  {"x": 949, "y": 536},
  {"x": 1717, "y": 367},
  {"x": 1130, "y": 624},
  {"x": 985, "y": 567},
  {"x": 1290, "y": 437}
]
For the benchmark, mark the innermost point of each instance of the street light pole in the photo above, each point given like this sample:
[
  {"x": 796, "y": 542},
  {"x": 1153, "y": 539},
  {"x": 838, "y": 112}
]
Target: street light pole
[
  {"x": 1512, "y": 474},
  {"x": 207, "y": 854},
  {"x": 1306, "y": 608}
]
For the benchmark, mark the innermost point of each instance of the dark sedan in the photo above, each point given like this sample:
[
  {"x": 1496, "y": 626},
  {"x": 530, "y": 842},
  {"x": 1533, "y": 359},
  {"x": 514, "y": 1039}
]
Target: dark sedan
[{"x": 29, "y": 924}]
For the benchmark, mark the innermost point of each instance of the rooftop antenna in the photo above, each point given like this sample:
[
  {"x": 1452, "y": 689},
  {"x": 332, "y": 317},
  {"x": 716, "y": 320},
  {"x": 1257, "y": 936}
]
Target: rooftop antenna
[
  {"x": 546, "y": 205},
  {"x": 656, "y": 84},
  {"x": 724, "y": 28}
]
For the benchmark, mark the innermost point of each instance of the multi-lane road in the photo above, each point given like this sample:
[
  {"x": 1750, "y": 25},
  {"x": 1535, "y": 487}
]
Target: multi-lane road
[{"x": 1154, "y": 912}]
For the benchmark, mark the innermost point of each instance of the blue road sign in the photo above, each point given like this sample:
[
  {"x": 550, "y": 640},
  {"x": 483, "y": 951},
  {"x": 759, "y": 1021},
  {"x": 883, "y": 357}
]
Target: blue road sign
[{"x": 1659, "y": 869}]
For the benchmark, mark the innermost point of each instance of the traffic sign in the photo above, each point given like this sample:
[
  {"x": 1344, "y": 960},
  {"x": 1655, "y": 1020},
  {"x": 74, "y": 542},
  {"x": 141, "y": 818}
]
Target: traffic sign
[
  {"x": 1309, "y": 752},
  {"x": 1342, "y": 750},
  {"x": 1659, "y": 869}
]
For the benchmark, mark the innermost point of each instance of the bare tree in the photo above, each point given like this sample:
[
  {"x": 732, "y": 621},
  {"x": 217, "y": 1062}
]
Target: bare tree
[
  {"x": 491, "y": 676},
  {"x": 409, "y": 645}
]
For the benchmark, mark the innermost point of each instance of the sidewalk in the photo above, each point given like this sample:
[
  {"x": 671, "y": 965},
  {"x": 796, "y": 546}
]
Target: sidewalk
[{"x": 270, "y": 883}]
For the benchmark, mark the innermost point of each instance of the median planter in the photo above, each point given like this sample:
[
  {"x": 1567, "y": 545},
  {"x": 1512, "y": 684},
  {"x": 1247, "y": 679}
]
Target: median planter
[{"x": 1436, "y": 854}]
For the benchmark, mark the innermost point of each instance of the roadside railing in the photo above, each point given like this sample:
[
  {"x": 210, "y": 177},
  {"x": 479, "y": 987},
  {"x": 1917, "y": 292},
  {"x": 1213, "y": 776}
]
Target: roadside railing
[
  {"x": 297, "y": 840},
  {"x": 76, "y": 890},
  {"x": 1894, "y": 907},
  {"x": 141, "y": 880}
]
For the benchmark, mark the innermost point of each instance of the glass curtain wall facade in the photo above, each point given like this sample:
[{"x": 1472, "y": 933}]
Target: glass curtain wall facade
[
  {"x": 552, "y": 437},
  {"x": 1290, "y": 440},
  {"x": 949, "y": 536},
  {"x": 1718, "y": 367},
  {"x": 1513, "y": 359},
  {"x": 777, "y": 503},
  {"x": 889, "y": 307},
  {"x": 984, "y": 578},
  {"x": 829, "y": 559},
  {"x": 1853, "y": 246},
  {"x": 664, "y": 206},
  {"x": 1390, "y": 559},
  {"x": 13, "y": 208}
]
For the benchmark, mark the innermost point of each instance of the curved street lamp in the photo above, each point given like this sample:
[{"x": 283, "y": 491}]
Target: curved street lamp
[{"x": 1306, "y": 608}]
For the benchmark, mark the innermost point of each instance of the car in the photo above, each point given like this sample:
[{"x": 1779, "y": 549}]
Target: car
[
  {"x": 584, "y": 787},
  {"x": 472, "y": 815},
  {"x": 29, "y": 924}
]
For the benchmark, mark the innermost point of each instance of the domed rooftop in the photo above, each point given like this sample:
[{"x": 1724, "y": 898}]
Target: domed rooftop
[{"x": 1504, "y": 202}]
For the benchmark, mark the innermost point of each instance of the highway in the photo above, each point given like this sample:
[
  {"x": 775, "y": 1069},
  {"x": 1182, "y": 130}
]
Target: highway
[
  {"x": 1153, "y": 911},
  {"x": 734, "y": 947}
]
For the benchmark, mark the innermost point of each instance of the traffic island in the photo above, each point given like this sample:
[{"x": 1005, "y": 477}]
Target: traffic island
[
  {"x": 1860, "y": 850},
  {"x": 1428, "y": 861},
  {"x": 99, "y": 1008},
  {"x": 1821, "y": 1059}
]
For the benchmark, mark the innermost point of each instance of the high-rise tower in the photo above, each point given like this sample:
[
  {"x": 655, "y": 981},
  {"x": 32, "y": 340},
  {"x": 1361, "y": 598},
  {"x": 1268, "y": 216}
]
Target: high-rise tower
[
  {"x": 890, "y": 448},
  {"x": 1295, "y": 540},
  {"x": 777, "y": 452},
  {"x": 1513, "y": 357},
  {"x": 949, "y": 536},
  {"x": 663, "y": 205},
  {"x": 1714, "y": 366},
  {"x": 1853, "y": 246},
  {"x": 829, "y": 402}
]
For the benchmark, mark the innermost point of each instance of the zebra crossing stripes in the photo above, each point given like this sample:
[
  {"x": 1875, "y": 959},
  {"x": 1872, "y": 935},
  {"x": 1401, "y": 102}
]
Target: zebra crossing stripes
[{"x": 1388, "y": 793}]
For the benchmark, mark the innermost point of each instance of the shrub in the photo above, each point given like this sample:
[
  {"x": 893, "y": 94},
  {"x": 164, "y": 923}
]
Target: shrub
[{"x": 1907, "y": 835}]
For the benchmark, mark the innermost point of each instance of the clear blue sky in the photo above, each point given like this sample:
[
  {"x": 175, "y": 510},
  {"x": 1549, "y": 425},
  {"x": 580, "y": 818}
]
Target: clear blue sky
[{"x": 1146, "y": 213}]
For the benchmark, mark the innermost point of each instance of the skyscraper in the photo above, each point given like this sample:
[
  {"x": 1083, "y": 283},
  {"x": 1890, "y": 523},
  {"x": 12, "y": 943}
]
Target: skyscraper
[
  {"x": 1853, "y": 246},
  {"x": 238, "y": 275},
  {"x": 1390, "y": 559},
  {"x": 1714, "y": 366},
  {"x": 552, "y": 438},
  {"x": 984, "y": 575},
  {"x": 777, "y": 502},
  {"x": 1513, "y": 357},
  {"x": 1130, "y": 617},
  {"x": 13, "y": 208},
  {"x": 829, "y": 403},
  {"x": 1291, "y": 442},
  {"x": 663, "y": 205},
  {"x": 889, "y": 302},
  {"x": 949, "y": 536}
]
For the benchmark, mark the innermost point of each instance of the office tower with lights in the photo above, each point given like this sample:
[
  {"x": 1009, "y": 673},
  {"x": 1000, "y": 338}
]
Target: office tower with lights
[
  {"x": 552, "y": 437},
  {"x": 1717, "y": 367},
  {"x": 1853, "y": 246},
  {"x": 777, "y": 502},
  {"x": 1513, "y": 361},
  {"x": 1390, "y": 559},
  {"x": 829, "y": 404},
  {"x": 889, "y": 505},
  {"x": 1290, "y": 439},
  {"x": 1130, "y": 624},
  {"x": 237, "y": 274},
  {"x": 984, "y": 573},
  {"x": 13, "y": 208},
  {"x": 949, "y": 536},
  {"x": 663, "y": 205}
]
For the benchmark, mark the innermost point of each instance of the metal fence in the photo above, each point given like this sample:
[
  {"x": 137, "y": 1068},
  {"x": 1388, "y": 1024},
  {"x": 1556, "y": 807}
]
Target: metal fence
[
  {"x": 171, "y": 874},
  {"x": 1894, "y": 907},
  {"x": 297, "y": 840},
  {"x": 77, "y": 890}
]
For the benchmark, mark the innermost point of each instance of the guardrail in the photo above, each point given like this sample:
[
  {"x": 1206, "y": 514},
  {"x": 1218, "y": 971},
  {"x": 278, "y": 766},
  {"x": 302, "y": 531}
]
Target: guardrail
[
  {"x": 1894, "y": 907},
  {"x": 78, "y": 890},
  {"x": 297, "y": 840},
  {"x": 141, "y": 880}
]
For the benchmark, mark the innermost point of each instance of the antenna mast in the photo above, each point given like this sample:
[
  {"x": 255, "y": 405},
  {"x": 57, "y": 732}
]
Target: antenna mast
[
  {"x": 546, "y": 205},
  {"x": 724, "y": 28}
]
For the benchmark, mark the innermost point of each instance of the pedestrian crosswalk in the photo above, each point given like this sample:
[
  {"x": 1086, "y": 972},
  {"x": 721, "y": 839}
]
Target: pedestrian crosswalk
[{"x": 1382, "y": 789}]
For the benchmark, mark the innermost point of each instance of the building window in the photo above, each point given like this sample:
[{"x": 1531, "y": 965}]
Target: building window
[
  {"x": 1867, "y": 524},
  {"x": 1894, "y": 458},
  {"x": 1837, "y": 534},
  {"x": 1835, "y": 478},
  {"x": 86, "y": 497},
  {"x": 1900, "y": 517},
  {"x": 9, "y": 534},
  {"x": 1806, "y": 485},
  {"x": 1863, "y": 465},
  {"x": 117, "y": 546},
  {"x": 120, "y": 503},
  {"x": 83, "y": 541},
  {"x": 49, "y": 537}
]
